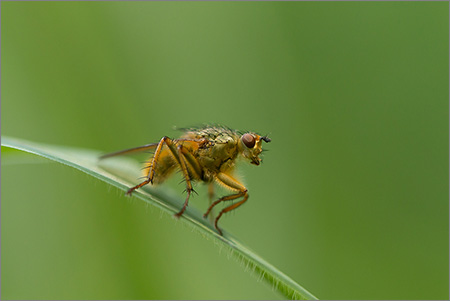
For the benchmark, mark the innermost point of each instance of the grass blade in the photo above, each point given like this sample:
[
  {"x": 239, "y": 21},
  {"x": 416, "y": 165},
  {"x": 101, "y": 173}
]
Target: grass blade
[{"x": 121, "y": 173}]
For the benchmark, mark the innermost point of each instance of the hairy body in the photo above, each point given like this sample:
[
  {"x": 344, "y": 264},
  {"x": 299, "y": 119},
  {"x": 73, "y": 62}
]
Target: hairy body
[{"x": 207, "y": 154}]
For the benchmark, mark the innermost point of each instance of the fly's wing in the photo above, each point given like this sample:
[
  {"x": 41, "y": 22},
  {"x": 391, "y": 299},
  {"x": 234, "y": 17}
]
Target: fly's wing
[{"x": 131, "y": 150}]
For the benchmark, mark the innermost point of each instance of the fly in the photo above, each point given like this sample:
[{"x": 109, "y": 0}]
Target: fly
[{"x": 207, "y": 154}]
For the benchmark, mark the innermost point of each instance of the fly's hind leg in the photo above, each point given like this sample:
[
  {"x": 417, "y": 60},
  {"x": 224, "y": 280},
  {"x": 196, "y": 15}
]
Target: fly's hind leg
[
  {"x": 232, "y": 184},
  {"x": 151, "y": 170},
  {"x": 181, "y": 155}
]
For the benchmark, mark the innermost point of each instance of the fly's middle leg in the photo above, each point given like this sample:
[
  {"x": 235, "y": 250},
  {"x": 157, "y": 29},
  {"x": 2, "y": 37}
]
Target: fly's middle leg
[
  {"x": 184, "y": 169},
  {"x": 188, "y": 163},
  {"x": 211, "y": 197}
]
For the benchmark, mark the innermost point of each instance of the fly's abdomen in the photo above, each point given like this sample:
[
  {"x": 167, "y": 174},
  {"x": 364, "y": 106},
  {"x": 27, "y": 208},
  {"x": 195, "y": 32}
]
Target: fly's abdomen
[{"x": 165, "y": 166}]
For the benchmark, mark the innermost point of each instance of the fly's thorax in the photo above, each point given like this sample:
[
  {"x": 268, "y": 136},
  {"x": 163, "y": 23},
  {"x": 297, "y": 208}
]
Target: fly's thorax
[
  {"x": 218, "y": 156},
  {"x": 220, "y": 146}
]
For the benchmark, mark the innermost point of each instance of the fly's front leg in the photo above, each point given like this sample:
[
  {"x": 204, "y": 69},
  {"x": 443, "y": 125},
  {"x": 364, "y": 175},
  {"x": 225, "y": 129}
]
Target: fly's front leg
[{"x": 232, "y": 184}]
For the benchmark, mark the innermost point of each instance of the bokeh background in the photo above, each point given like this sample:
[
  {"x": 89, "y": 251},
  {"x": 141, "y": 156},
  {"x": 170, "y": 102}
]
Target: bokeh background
[{"x": 352, "y": 198}]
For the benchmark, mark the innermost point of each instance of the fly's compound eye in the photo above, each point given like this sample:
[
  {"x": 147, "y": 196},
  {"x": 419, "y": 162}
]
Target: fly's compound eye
[{"x": 248, "y": 140}]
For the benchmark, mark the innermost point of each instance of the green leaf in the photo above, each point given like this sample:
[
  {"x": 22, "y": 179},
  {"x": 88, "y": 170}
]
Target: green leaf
[{"x": 121, "y": 173}]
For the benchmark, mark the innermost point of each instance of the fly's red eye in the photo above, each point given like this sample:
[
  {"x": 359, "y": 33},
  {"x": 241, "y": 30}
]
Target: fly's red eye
[{"x": 248, "y": 140}]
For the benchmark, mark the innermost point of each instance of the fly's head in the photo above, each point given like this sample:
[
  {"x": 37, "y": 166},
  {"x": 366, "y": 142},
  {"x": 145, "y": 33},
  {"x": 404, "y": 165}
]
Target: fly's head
[{"x": 250, "y": 147}]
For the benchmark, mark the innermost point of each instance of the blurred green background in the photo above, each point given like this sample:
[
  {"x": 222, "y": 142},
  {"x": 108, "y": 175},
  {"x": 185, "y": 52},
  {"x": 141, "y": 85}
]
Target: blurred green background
[{"x": 352, "y": 198}]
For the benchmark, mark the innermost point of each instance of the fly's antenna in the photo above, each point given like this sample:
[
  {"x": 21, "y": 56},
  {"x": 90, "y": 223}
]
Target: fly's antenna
[{"x": 266, "y": 139}]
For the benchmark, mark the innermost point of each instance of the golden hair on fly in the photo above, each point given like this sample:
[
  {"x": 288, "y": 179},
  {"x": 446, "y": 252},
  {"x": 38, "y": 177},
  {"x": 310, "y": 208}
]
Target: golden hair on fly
[{"x": 203, "y": 154}]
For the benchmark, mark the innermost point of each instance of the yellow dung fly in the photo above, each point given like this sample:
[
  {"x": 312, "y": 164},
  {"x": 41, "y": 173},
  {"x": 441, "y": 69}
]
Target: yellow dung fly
[{"x": 207, "y": 154}]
